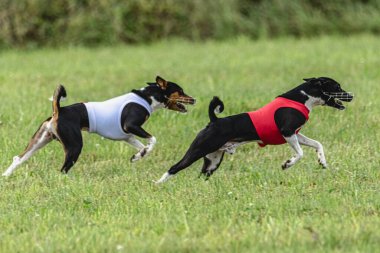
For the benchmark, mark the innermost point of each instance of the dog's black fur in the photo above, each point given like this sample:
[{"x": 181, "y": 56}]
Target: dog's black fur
[
  {"x": 225, "y": 134},
  {"x": 67, "y": 122}
]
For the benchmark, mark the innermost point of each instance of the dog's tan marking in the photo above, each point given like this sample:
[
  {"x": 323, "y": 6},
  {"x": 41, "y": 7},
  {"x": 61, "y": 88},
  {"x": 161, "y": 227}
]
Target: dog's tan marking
[
  {"x": 54, "y": 128},
  {"x": 176, "y": 97},
  {"x": 55, "y": 109}
]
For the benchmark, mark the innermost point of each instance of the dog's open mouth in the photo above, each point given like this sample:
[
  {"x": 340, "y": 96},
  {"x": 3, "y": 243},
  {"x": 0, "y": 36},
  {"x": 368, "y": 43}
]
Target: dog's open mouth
[
  {"x": 339, "y": 103},
  {"x": 336, "y": 99},
  {"x": 181, "y": 107},
  {"x": 179, "y": 103}
]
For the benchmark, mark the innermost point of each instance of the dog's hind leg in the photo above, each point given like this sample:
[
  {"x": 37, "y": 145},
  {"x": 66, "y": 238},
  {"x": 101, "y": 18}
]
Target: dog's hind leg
[
  {"x": 205, "y": 143},
  {"x": 293, "y": 142},
  {"x": 211, "y": 162},
  {"x": 42, "y": 137},
  {"x": 71, "y": 138},
  {"x": 71, "y": 156},
  {"x": 185, "y": 162},
  {"x": 303, "y": 140}
]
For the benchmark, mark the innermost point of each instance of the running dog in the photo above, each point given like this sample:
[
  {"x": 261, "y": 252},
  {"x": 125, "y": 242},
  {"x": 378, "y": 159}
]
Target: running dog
[
  {"x": 276, "y": 123},
  {"x": 119, "y": 118}
]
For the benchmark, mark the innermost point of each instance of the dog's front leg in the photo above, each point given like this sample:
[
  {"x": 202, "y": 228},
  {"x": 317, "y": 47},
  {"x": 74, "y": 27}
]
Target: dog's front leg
[
  {"x": 143, "y": 150},
  {"x": 303, "y": 140},
  {"x": 293, "y": 142},
  {"x": 139, "y": 146}
]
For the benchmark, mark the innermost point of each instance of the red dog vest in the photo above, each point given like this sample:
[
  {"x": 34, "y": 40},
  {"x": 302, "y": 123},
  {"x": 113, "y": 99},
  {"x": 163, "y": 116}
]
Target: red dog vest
[{"x": 263, "y": 120}]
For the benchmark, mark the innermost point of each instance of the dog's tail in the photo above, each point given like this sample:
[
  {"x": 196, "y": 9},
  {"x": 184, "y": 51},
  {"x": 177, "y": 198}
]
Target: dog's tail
[
  {"x": 60, "y": 92},
  {"x": 216, "y": 106}
]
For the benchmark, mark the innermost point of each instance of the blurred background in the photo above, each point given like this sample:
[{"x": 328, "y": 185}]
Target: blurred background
[{"x": 37, "y": 23}]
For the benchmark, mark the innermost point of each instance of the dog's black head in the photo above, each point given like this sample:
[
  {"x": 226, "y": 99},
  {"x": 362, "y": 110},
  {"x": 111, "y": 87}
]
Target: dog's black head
[
  {"x": 166, "y": 94},
  {"x": 328, "y": 91}
]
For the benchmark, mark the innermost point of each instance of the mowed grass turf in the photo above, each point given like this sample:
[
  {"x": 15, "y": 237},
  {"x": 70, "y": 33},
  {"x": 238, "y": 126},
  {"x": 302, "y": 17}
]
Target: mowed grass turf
[{"x": 107, "y": 204}]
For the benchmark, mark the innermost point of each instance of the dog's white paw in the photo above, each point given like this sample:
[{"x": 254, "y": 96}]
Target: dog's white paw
[
  {"x": 323, "y": 163},
  {"x": 16, "y": 162},
  {"x": 139, "y": 155},
  {"x": 143, "y": 152},
  {"x": 286, "y": 165},
  {"x": 289, "y": 163},
  {"x": 322, "y": 159},
  {"x": 164, "y": 178}
]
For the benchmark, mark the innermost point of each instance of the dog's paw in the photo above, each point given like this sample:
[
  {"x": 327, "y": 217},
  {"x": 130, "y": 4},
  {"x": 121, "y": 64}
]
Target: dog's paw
[
  {"x": 138, "y": 155},
  {"x": 164, "y": 178},
  {"x": 322, "y": 159},
  {"x": 323, "y": 163},
  {"x": 205, "y": 175},
  {"x": 5, "y": 174},
  {"x": 286, "y": 165},
  {"x": 16, "y": 162},
  {"x": 135, "y": 158}
]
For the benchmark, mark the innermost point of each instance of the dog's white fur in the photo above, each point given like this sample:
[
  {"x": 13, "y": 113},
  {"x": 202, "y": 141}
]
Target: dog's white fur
[
  {"x": 164, "y": 178},
  {"x": 312, "y": 101}
]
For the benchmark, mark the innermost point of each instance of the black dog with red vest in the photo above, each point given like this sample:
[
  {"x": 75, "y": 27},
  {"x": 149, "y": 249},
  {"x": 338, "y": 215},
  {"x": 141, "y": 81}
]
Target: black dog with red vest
[{"x": 276, "y": 123}]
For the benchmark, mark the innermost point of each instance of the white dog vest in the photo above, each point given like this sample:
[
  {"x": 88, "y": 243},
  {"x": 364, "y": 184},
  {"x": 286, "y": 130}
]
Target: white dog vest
[{"x": 104, "y": 117}]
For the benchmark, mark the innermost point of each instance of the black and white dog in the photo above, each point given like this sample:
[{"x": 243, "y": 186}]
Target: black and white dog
[
  {"x": 119, "y": 118},
  {"x": 276, "y": 123}
]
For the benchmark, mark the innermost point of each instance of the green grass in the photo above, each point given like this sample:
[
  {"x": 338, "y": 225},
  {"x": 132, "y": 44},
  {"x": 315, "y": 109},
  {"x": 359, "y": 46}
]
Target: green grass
[{"x": 107, "y": 204}]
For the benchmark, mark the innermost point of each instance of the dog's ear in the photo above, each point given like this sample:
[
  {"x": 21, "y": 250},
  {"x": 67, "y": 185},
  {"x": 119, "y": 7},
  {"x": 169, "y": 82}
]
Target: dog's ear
[
  {"x": 161, "y": 82},
  {"x": 313, "y": 81},
  {"x": 309, "y": 79}
]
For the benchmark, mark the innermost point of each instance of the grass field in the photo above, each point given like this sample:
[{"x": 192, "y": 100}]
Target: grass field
[{"x": 107, "y": 204}]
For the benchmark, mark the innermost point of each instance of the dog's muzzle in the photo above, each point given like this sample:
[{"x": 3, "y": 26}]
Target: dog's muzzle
[
  {"x": 335, "y": 99},
  {"x": 178, "y": 104},
  {"x": 342, "y": 96}
]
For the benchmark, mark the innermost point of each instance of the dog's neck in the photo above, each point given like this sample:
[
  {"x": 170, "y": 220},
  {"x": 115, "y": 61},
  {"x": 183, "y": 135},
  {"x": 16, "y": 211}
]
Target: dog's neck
[
  {"x": 312, "y": 101},
  {"x": 300, "y": 95},
  {"x": 154, "y": 104}
]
